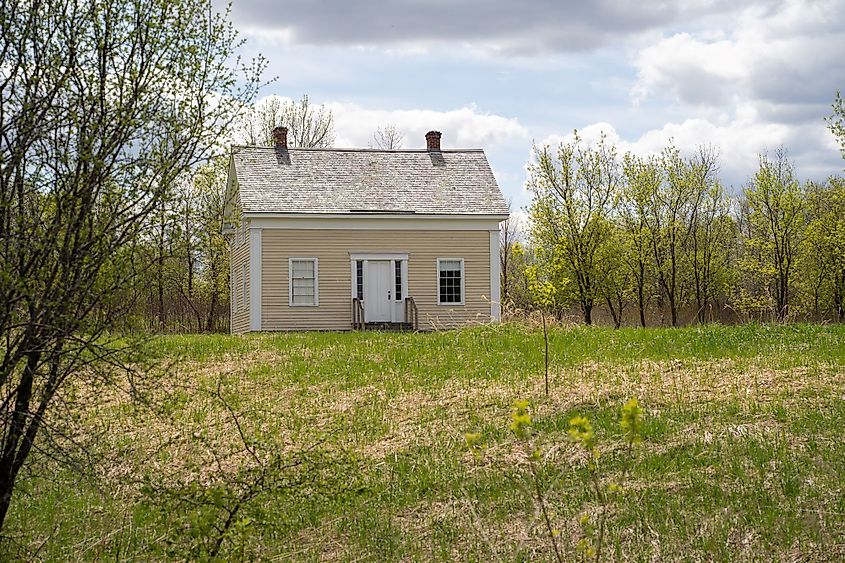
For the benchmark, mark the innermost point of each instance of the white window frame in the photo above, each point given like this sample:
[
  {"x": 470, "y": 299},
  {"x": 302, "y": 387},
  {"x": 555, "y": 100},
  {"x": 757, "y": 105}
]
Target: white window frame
[
  {"x": 463, "y": 282},
  {"x": 293, "y": 259},
  {"x": 242, "y": 288},
  {"x": 403, "y": 286},
  {"x": 354, "y": 274}
]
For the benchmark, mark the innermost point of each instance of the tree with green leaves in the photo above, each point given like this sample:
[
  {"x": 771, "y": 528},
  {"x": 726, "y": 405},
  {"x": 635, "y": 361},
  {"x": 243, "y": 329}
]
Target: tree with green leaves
[
  {"x": 187, "y": 255},
  {"x": 667, "y": 220},
  {"x": 711, "y": 232},
  {"x": 643, "y": 177},
  {"x": 546, "y": 284},
  {"x": 836, "y": 121},
  {"x": 774, "y": 218},
  {"x": 105, "y": 105},
  {"x": 824, "y": 256},
  {"x": 508, "y": 245},
  {"x": 574, "y": 190},
  {"x": 616, "y": 281},
  {"x": 210, "y": 184}
]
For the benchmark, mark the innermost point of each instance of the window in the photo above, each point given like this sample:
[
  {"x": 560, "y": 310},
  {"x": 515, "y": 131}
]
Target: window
[
  {"x": 450, "y": 277},
  {"x": 303, "y": 282},
  {"x": 397, "y": 278},
  {"x": 359, "y": 279},
  {"x": 243, "y": 286}
]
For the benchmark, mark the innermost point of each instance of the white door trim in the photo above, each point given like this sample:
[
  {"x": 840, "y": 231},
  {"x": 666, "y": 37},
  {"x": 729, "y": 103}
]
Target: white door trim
[
  {"x": 378, "y": 256},
  {"x": 397, "y": 307}
]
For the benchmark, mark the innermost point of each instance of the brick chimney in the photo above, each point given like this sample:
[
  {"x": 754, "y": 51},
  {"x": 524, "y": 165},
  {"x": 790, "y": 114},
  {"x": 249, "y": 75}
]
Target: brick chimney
[
  {"x": 280, "y": 137},
  {"x": 432, "y": 141}
]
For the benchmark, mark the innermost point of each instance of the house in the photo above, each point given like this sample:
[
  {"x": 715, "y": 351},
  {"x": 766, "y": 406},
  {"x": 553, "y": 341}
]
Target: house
[{"x": 337, "y": 239}]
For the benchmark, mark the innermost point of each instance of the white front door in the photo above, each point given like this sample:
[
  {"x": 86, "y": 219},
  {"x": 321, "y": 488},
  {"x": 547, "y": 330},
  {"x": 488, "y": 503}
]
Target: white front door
[{"x": 378, "y": 291}]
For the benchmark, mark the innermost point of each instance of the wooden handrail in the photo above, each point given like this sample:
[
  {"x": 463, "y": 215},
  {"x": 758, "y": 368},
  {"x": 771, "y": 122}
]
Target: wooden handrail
[
  {"x": 357, "y": 314},
  {"x": 412, "y": 313}
]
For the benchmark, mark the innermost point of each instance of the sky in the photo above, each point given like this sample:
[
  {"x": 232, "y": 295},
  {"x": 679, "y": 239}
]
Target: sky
[{"x": 744, "y": 76}]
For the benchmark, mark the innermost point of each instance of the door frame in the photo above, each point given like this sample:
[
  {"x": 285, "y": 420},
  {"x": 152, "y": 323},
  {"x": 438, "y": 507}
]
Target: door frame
[{"x": 397, "y": 308}]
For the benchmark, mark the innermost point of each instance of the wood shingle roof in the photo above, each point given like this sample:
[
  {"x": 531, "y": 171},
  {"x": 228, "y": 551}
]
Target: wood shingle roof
[{"x": 340, "y": 181}]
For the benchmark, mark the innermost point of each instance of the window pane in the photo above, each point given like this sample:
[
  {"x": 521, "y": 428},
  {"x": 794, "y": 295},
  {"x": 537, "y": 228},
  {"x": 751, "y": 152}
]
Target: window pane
[
  {"x": 398, "y": 279},
  {"x": 450, "y": 281},
  {"x": 303, "y": 287},
  {"x": 303, "y": 299},
  {"x": 359, "y": 274},
  {"x": 303, "y": 269},
  {"x": 302, "y": 283}
]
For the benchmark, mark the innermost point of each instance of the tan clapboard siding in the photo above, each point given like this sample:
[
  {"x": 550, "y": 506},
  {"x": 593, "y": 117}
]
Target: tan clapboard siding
[
  {"x": 332, "y": 249},
  {"x": 239, "y": 257}
]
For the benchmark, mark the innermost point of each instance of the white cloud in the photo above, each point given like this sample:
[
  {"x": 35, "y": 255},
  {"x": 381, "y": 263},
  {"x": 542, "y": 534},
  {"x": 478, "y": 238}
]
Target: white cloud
[
  {"x": 738, "y": 140},
  {"x": 690, "y": 69},
  {"x": 791, "y": 54},
  {"x": 465, "y": 127},
  {"x": 765, "y": 79}
]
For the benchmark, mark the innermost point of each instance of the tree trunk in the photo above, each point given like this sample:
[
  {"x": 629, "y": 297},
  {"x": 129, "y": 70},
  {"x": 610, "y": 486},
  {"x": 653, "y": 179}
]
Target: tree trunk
[
  {"x": 9, "y": 465},
  {"x": 215, "y": 290},
  {"x": 160, "y": 282},
  {"x": 546, "y": 356},
  {"x": 673, "y": 309},
  {"x": 212, "y": 308},
  {"x": 783, "y": 294},
  {"x": 641, "y": 295},
  {"x": 702, "y": 311},
  {"x": 617, "y": 320},
  {"x": 642, "y": 310}
]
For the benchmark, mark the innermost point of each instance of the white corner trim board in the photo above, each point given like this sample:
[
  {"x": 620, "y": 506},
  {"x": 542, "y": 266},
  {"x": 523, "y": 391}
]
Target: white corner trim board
[
  {"x": 254, "y": 278},
  {"x": 495, "y": 278}
]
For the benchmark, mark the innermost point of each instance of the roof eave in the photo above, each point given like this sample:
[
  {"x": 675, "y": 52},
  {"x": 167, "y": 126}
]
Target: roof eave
[{"x": 375, "y": 215}]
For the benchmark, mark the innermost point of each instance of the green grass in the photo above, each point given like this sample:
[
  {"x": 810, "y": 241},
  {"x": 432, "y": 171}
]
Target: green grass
[{"x": 743, "y": 456}]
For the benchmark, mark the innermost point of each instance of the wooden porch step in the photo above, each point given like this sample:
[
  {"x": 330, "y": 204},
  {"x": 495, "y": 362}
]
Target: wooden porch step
[{"x": 394, "y": 327}]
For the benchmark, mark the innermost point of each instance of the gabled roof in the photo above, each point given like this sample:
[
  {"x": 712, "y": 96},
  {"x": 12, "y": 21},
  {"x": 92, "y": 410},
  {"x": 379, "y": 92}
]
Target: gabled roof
[{"x": 344, "y": 181}]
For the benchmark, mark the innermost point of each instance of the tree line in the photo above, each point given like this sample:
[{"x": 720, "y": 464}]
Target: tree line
[
  {"x": 660, "y": 240},
  {"x": 630, "y": 239}
]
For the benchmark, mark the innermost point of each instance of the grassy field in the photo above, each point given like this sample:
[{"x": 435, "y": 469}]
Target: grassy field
[{"x": 352, "y": 447}]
